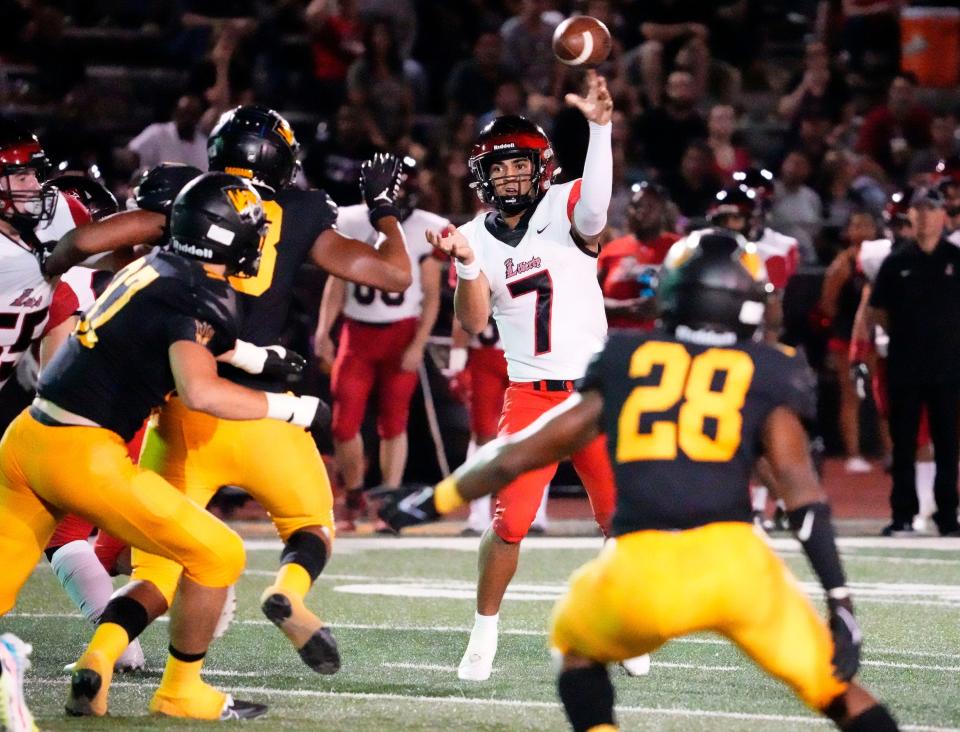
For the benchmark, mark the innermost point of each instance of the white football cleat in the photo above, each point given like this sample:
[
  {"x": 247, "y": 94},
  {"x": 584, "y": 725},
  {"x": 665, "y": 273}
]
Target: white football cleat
[
  {"x": 637, "y": 666},
  {"x": 14, "y": 658},
  {"x": 131, "y": 659},
  {"x": 477, "y": 663}
]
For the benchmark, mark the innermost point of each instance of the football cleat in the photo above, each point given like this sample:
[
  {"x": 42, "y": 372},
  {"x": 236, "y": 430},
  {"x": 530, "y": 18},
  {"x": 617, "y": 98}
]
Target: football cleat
[
  {"x": 14, "y": 660},
  {"x": 130, "y": 661},
  {"x": 239, "y": 709},
  {"x": 314, "y": 642},
  {"x": 203, "y": 702},
  {"x": 409, "y": 506},
  {"x": 89, "y": 686},
  {"x": 637, "y": 666},
  {"x": 477, "y": 661}
]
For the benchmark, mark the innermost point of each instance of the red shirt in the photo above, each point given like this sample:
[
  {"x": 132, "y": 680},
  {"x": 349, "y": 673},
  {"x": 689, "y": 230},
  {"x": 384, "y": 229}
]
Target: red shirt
[{"x": 622, "y": 267}]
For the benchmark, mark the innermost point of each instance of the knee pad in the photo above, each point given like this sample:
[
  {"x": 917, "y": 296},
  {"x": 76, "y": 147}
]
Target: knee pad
[{"x": 306, "y": 549}]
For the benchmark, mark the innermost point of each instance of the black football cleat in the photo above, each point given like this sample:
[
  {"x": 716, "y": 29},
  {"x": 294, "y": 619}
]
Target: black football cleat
[
  {"x": 314, "y": 642},
  {"x": 236, "y": 709}
]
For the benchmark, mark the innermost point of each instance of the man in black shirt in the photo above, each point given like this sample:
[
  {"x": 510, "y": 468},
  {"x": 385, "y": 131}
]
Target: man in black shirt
[
  {"x": 687, "y": 410},
  {"x": 156, "y": 328},
  {"x": 916, "y": 299}
]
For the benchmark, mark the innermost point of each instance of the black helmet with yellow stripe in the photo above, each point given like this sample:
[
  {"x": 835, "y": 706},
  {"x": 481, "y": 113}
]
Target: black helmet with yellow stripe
[
  {"x": 256, "y": 143},
  {"x": 218, "y": 219},
  {"x": 713, "y": 280}
]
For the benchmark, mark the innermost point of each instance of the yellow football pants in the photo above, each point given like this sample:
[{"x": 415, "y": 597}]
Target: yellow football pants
[
  {"x": 47, "y": 472},
  {"x": 275, "y": 462},
  {"x": 650, "y": 586}
]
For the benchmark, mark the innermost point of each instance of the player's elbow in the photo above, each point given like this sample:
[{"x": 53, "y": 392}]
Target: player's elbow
[
  {"x": 198, "y": 396},
  {"x": 474, "y": 324},
  {"x": 400, "y": 281}
]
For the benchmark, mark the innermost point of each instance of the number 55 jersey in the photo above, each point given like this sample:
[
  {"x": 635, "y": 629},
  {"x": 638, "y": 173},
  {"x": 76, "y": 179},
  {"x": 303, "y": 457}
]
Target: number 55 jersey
[{"x": 683, "y": 422}]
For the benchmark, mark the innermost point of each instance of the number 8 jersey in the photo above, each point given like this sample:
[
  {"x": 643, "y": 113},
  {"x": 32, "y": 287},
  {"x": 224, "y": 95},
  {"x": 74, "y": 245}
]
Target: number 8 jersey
[{"x": 544, "y": 291}]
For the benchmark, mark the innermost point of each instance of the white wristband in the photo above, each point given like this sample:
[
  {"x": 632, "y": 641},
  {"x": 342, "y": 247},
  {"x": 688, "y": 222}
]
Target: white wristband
[
  {"x": 299, "y": 410},
  {"x": 248, "y": 357},
  {"x": 467, "y": 271},
  {"x": 457, "y": 360}
]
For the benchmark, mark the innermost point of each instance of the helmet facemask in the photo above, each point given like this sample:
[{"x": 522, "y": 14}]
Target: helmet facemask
[
  {"x": 486, "y": 186},
  {"x": 26, "y": 209}
]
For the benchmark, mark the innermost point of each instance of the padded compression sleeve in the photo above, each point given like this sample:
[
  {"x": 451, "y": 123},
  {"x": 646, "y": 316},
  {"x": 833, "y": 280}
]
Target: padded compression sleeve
[{"x": 590, "y": 212}]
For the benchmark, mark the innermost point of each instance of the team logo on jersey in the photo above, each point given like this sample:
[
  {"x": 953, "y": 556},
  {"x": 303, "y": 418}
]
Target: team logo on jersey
[
  {"x": 204, "y": 332},
  {"x": 512, "y": 270},
  {"x": 25, "y": 301}
]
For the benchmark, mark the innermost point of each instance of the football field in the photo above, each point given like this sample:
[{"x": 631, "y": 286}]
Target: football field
[{"x": 401, "y": 611}]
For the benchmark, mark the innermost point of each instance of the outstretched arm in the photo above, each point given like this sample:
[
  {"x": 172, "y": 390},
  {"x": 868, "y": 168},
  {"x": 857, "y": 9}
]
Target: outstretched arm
[{"x": 119, "y": 231}]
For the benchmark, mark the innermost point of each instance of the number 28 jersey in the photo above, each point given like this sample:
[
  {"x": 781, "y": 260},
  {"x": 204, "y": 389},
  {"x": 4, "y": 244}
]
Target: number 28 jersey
[
  {"x": 684, "y": 420},
  {"x": 544, "y": 291},
  {"x": 368, "y": 304}
]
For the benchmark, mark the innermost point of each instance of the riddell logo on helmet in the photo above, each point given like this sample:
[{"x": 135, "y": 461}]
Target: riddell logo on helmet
[
  {"x": 504, "y": 145},
  {"x": 192, "y": 250}
]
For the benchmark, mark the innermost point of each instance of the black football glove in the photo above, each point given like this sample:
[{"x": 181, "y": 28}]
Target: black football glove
[
  {"x": 283, "y": 363},
  {"x": 380, "y": 185},
  {"x": 408, "y": 506},
  {"x": 847, "y": 638},
  {"x": 860, "y": 373}
]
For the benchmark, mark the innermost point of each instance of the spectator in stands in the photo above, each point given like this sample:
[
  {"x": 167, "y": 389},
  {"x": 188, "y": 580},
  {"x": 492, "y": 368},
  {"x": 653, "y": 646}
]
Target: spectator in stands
[
  {"x": 527, "y": 49},
  {"x": 944, "y": 144},
  {"x": 446, "y": 183},
  {"x": 335, "y": 43},
  {"x": 728, "y": 157},
  {"x": 916, "y": 298},
  {"x": 664, "y": 132},
  {"x": 843, "y": 189},
  {"x": 178, "y": 141},
  {"x": 333, "y": 159},
  {"x": 203, "y": 22},
  {"x": 384, "y": 84},
  {"x": 870, "y": 35},
  {"x": 509, "y": 98},
  {"x": 667, "y": 27},
  {"x": 694, "y": 186},
  {"x": 818, "y": 88},
  {"x": 474, "y": 82},
  {"x": 893, "y": 132},
  {"x": 797, "y": 210},
  {"x": 839, "y": 299},
  {"x": 627, "y": 267}
]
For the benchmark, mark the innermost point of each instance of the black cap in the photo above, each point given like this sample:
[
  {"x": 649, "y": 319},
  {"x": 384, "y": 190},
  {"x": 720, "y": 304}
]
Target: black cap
[{"x": 929, "y": 196}]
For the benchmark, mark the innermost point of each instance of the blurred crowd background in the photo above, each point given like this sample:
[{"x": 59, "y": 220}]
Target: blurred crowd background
[{"x": 845, "y": 102}]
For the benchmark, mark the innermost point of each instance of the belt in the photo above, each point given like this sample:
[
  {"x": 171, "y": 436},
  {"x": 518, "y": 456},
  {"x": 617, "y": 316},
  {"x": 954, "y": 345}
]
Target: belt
[
  {"x": 545, "y": 385},
  {"x": 60, "y": 415}
]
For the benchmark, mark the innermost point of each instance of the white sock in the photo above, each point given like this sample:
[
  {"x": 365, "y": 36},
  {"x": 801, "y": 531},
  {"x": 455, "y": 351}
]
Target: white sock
[
  {"x": 541, "y": 518},
  {"x": 485, "y": 626},
  {"x": 926, "y": 471},
  {"x": 479, "y": 517},
  {"x": 758, "y": 498},
  {"x": 83, "y": 577}
]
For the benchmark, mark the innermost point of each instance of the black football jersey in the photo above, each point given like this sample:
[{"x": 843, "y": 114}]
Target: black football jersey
[
  {"x": 115, "y": 368},
  {"x": 296, "y": 219},
  {"x": 683, "y": 423}
]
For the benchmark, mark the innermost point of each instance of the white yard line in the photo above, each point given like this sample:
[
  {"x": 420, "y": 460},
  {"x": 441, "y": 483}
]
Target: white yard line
[
  {"x": 655, "y": 664},
  {"x": 702, "y": 640},
  {"x": 522, "y": 703}
]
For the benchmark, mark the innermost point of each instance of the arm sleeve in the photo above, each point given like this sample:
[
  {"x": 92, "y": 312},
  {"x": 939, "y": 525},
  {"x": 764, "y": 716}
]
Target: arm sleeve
[{"x": 590, "y": 212}]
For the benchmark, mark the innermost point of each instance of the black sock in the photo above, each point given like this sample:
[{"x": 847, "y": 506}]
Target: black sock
[
  {"x": 587, "y": 696},
  {"x": 306, "y": 549},
  {"x": 876, "y": 719},
  {"x": 186, "y": 657},
  {"x": 127, "y": 613}
]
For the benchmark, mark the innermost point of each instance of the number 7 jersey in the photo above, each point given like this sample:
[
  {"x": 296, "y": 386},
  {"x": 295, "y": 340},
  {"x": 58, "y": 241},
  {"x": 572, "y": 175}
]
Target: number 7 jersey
[
  {"x": 544, "y": 291},
  {"x": 684, "y": 422}
]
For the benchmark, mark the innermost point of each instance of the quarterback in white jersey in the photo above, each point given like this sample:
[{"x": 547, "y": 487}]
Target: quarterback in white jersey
[
  {"x": 381, "y": 345},
  {"x": 30, "y": 216},
  {"x": 533, "y": 263}
]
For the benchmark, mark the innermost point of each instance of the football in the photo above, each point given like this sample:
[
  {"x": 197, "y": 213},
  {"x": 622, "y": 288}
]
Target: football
[{"x": 581, "y": 41}]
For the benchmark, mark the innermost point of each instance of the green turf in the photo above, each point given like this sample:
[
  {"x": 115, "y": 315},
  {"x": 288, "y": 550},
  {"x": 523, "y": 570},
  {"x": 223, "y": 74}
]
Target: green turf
[{"x": 916, "y": 631}]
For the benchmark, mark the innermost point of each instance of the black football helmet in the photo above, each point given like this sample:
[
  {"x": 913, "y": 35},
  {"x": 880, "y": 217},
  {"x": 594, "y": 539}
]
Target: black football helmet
[
  {"x": 512, "y": 136},
  {"x": 21, "y": 151},
  {"x": 713, "y": 280},
  {"x": 95, "y": 197},
  {"x": 255, "y": 142},
  {"x": 158, "y": 187},
  {"x": 733, "y": 201},
  {"x": 218, "y": 219}
]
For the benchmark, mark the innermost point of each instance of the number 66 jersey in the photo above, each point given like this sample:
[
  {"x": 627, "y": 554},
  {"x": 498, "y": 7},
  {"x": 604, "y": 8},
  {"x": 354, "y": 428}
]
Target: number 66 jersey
[
  {"x": 544, "y": 291},
  {"x": 684, "y": 422}
]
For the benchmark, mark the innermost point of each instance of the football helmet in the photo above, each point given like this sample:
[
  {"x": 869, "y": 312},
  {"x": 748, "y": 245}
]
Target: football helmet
[
  {"x": 218, "y": 219},
  {"x": 20, "y": 151},
  {"x": 733, "y": 201},
  {"x": 255, "y": 142},
  {"x": 713, "y": 280},
  {"x": 158, "y": 187},
  {"x": 895, "y": 211},
  {"x": 95, "y": 197},
  {"x": 512, "y": 136}
]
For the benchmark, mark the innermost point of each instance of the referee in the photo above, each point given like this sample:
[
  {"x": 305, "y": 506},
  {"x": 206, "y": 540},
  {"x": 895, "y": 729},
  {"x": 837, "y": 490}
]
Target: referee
[{"x": 916, "y": 299}]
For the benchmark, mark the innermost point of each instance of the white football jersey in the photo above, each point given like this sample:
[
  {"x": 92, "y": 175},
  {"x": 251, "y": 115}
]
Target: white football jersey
[
  {"x": 871, "y": 256},
  {"x": 370, "y": 305},
  {"x": 24, "y": 292},
  {"x": 489, "y": 337},
  {"x": 780, "y": 255},
  {"x": 544, "y": 291}
]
